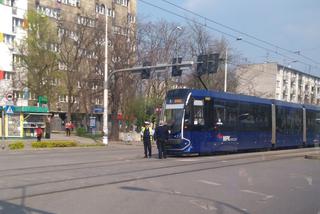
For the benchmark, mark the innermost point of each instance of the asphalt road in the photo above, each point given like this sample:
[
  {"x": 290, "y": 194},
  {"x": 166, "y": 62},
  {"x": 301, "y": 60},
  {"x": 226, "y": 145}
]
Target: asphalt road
[{"x": 117, "y": 179}]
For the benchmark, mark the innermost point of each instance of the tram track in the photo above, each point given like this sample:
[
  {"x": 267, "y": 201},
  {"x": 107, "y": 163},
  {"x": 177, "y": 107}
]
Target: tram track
[
  {"x": 157, "y": 172},
  {"x": 129, "y": 161}
]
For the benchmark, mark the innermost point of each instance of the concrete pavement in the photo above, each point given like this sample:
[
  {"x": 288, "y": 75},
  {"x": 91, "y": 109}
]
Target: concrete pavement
[{"x": 60, "y": 136}]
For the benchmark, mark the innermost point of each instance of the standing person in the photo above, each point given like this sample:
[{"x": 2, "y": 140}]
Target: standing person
[
  {"x": 146, "y": 135},
  {"x": 68, "y": 128},
  {"x": 39, "y": 133},
  {"x": 161, "y": 136}
]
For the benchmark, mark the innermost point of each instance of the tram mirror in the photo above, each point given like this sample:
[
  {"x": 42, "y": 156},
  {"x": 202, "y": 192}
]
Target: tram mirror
[{"x": 244, "y": 116}]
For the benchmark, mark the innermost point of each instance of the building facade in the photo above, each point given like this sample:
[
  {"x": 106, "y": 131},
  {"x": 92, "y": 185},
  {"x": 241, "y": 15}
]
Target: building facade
[
  {"x": 274, "y": 81},
  {"x": 121, "y": 15},
  {"x": 11, "y": 32}
]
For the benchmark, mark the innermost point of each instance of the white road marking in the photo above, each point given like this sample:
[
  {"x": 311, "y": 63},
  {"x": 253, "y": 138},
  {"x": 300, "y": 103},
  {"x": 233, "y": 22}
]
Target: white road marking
[
  {"x": 309, "y": 179},
  {"x": 265, "y": 196},
  {"x": 203, "y": 205},
  {"x": 209, "y": 182}
]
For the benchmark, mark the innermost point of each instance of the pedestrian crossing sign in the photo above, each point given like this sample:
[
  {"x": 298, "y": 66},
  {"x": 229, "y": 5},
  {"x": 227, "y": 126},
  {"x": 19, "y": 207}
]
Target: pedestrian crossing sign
[{"x": 9, "y": 109}]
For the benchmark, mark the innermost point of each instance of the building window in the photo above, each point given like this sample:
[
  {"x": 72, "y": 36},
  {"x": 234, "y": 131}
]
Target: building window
[
  {"x": 131, "y": 18},
  {"x": 8, "y": 76},
  {"x": 8, "y": 39},
  {"x": 86, "y": 21},
  {"x": 110, "y": 13},
  {"x": 97, "y": 8},
  {"x": 62, "y": 98},
  {"x": 50, "y": 12},
  {"x": 121, "y": 2},
  {"x": 102, "y": 9}
]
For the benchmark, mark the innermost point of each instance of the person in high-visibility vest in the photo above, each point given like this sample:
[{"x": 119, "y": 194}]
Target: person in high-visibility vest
[{"x": 146, "y": 136}]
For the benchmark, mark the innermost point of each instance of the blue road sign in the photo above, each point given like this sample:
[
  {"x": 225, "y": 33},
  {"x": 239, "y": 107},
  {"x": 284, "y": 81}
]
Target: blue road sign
[{"x": 9, "y": 109}]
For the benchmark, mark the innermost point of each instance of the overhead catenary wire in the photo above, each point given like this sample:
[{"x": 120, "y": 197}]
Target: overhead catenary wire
[
  {"x": 243, "y": 33},
  {"x": 228, "y": 34}
]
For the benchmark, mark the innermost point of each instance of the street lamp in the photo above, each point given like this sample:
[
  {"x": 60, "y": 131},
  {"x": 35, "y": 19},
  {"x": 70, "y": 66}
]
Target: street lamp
[
  {"x": 226, "y": 66},
  {"x": 105, "y": 91}
]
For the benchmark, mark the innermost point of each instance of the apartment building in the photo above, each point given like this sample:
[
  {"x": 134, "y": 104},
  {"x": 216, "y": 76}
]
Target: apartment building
[
  {"x": 120, "y": 13},
  {"x": 275, "y": 81},
  {"x": 11, "y": 32}
]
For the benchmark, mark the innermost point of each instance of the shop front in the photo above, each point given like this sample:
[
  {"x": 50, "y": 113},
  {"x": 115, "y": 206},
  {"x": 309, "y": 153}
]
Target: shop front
[{"x": 23, "y": 121}]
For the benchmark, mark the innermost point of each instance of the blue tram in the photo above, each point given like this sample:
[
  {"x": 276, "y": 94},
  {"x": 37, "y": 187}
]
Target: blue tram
[{"x": 204, "y": 121}]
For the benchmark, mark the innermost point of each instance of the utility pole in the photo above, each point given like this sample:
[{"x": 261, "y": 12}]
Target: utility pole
[
  {"x": 226, "y": 70},
  {"x": 105, "y": 91}
]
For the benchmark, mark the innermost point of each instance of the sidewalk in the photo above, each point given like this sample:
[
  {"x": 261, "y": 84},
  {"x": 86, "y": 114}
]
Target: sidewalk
[{"x": 62, "y": 137}]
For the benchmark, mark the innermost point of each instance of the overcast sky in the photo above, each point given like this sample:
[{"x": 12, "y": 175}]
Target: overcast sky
[{"x": 289, "y": 24}]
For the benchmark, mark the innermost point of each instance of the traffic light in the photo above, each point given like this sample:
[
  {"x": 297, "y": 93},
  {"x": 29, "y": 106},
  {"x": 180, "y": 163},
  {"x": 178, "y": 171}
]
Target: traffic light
[
  {"x": 176, "y": 71},
  {"x": 145, "y": 73},
  {"x": 207, "y": 63},
  {"x": 213, "y": 63},
  {"x": 201, "y": 64}
]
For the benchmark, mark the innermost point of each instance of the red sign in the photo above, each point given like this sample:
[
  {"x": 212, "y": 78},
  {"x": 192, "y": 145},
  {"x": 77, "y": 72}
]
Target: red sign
[
  {"x": 2, "y": 75},
  {"x": 9, "y": 97}
]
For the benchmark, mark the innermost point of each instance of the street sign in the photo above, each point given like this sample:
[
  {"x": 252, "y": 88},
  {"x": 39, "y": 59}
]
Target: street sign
[
  {"x": 9, "y": 109},
  {"x": 9, "y": 97},
  {"x": 92, "y": 123}
]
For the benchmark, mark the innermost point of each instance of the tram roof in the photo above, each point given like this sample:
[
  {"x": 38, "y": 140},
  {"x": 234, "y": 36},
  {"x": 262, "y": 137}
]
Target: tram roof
[
  {"x": 183, "y": 93},
  {"x": 287, "y": 104},
  {"x": 312, "y": 107}
]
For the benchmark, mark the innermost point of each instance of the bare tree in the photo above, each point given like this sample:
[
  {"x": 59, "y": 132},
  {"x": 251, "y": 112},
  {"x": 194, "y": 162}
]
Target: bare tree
[
  {"x": 76, "y": 51},
  {"x": 202, "y": 42}
]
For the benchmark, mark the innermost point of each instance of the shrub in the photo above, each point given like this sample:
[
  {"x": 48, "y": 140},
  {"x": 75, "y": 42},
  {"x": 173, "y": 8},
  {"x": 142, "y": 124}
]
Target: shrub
[
  {"x": 16, "y": 145},
  {"x": 81, "y": 131},
  {"x": 52, "y": 144}
]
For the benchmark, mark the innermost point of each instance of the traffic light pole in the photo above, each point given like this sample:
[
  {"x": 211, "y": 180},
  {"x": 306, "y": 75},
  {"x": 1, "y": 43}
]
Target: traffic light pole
[
  {"x": 226, "y": 71},
  {"x": 105, "y": 90},
  {"x": 107, "y": 77}
]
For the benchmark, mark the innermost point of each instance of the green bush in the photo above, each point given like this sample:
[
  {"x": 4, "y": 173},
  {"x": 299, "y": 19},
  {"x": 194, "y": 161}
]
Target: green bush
[
  {"x": 16, "y": 145},
  {"x": 52, "y": 144},
  {"x": 81, "y": 131}
]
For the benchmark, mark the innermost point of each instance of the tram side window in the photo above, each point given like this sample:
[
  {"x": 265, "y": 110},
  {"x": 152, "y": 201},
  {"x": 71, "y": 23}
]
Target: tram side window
[
  {"x": 254, "y": 117},
  {"x": 313, "y": 121},
  {"x": 289, "y": 120},
  {"x": 225, "y": 114},
  {"x": 247, "y": 117}
]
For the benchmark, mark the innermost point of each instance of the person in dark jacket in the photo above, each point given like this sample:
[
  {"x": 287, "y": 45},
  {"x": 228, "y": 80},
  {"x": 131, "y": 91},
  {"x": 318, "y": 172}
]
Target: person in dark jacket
[{"x": 161, "y": 136}]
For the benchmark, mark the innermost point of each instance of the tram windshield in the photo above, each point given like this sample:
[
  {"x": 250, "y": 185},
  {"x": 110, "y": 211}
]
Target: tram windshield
[{"x": 173, "y": 117}]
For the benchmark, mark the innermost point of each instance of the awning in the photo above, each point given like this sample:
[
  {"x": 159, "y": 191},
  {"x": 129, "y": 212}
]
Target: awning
[
  {"x": 40, "y": 113},
  {"x": 31, "y": 109}
]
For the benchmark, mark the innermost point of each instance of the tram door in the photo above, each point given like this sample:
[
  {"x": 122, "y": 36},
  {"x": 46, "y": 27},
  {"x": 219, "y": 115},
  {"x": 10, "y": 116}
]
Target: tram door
[{"x": 199, "y": 123}]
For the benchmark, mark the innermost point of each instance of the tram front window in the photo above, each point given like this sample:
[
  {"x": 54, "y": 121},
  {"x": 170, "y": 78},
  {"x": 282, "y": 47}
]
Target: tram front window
[{"x": 173, "y": 117}]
